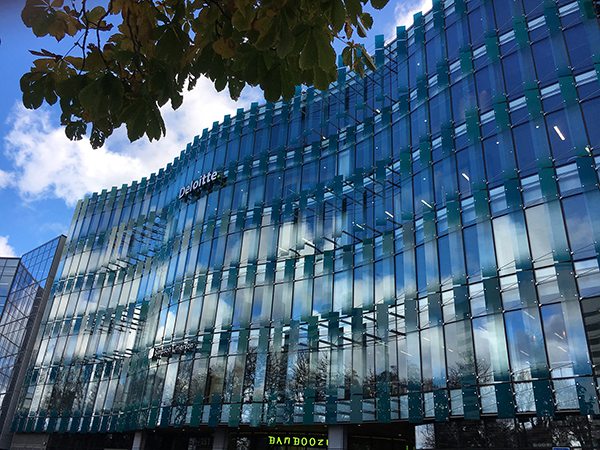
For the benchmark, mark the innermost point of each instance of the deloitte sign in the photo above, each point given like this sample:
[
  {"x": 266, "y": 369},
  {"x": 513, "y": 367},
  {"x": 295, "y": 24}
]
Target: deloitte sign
[{"x": 204, "y": 183}]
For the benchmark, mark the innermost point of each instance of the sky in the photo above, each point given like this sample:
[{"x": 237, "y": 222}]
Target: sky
[{"x": 43, "y": 174}]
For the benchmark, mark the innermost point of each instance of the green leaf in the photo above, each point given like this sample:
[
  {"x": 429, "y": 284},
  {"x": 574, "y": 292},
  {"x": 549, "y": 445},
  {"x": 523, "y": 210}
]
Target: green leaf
[
  {"x": 338, "y": 15},
  {"x": 37, "y": 16},
  {"x": 235, "y": 88},
  {"x": 325, "y": 51},
  {"x": 176, "y": 100},
  {"x": 287, "y": 40},
  {"x": 321, "y": 79},
  {"x": 95, "y": 15},
  {"x": 367, "y": 20},
  {"x": 347, "y": 56},
  {"x": 134, "y": 116},
  {"x": 75, "y": 61},
  {"x": 224, "y": 47},
  {"x": 379, "y": 4},
  {"x": 170, "y": 46},
  {"x": 358, "y": 65},
  {"x": 361, "y": 30},
  {"x": 241, "y": 20},
  {"x": 348, "y": 29},
  {"x": 155, "y": 123},
  {"x": 367, "y": 59},
  {"x": 93, "y": 60},
  {"x": 70, "y": 87},
  {"x": 93, "y": 100},
  {"x": 102, "y": 97},
  {"x": 49, "y": 92},
  {"x": 288, "y": 88},
  {"x": 354, "y": 8},
  {"x": 76, "y": 130},
  {"x": 267, "y": 28},
  {"x": 97, "y": 138},
  {"x": 33, "y": 92},
  {"x": 310, "y": 53},
  {"x": 113, "y": 88},
  {"x": 220, "y": 83},
  {"x": 272, "y": 85}
]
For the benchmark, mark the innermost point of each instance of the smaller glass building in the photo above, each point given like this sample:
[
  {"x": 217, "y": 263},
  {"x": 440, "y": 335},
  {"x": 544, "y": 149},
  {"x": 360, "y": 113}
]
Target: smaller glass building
[{"x": 24, "y": 287}]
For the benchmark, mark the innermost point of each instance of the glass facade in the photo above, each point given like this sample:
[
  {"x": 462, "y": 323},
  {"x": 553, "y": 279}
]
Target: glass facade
[
  {"x": 24, "y": 289},
  {"x": 420, "y": 245}
]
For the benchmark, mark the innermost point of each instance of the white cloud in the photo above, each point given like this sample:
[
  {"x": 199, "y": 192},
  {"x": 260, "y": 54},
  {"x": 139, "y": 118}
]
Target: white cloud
[
  {"x": 5, "y": 179},
  {"x": 46, "y": 164},
  {"x": 5, "y": 249},
  {"x": 404, "y": 12}
]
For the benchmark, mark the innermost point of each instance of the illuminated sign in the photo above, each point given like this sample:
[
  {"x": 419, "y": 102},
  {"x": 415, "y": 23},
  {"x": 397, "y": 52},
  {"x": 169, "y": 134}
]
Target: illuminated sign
[
  {"x": 170, "y": 350},
  {"x": 304, "y": 441},
  {"x": 204, "y": 183}
]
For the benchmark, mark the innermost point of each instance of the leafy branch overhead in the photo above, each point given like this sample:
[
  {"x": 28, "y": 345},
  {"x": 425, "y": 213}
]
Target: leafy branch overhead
[{"x": 129, "y": 58}]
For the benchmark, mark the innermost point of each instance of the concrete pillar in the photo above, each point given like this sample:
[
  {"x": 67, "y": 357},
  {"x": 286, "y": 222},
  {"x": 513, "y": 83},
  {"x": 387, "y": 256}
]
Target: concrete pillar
[
  {"x": 220, "y": 439},
  {"x": 338, "y": 437},
  {"x": 138, "y": 441}
]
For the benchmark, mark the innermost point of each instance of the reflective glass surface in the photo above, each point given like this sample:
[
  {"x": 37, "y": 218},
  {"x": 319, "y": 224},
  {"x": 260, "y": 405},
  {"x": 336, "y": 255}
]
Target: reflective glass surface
[{"x": 421, "y": 243}]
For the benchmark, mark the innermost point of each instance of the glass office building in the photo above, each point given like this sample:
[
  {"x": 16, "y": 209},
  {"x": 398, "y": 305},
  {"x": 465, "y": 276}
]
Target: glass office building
[
  {"x": 24, "y": 289},
  {"x": 407, "y": 259}
]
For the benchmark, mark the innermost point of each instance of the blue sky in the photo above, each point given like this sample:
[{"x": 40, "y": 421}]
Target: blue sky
[{"x": 43, "y": 174}]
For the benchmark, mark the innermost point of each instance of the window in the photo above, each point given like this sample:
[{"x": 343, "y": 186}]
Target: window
[
  {"x": 517, "y": 68},
  {"x": 509, "y": 289},
  {"x": 459, "y": 353},
  {"x": 499, "y": 160},
  {"x": 478, "y": 26},
  {"x": 472, "y": 252},
  {"x": 532, "y": 191},
  {"x": 565, "y": 129},
  {"x": 578, "y": 44},
  {"x": 439, "y": 111},
  {"x": 544, "y": 61},
  {"x": 544, "y": 234},
  {"x": 591, "y": 112},
  {"x": 531, "y": 145},
  {"x": 477, "y": 298},
  {"x": 579, "y": 226},
  {"x": 470, "y": 169},
  {"x": 547, "y": 285},
  {"x": 557, "y": 341},
  {"x": 525, "y": 344},
  {"x": 591, "y": 319},
  {"x": 384, "y": 280},
  {"x": 463, "y": 98},
  {"x": 524, "y": 397},
  {"x": 490, "y": 348},
  {"x": 468, "y": 211},
  {"x": 588, "y": 277},
  {"x": 565, "y": 342},
  {"x": 568, "y": 179},
  {"x": 421, "y": 272},
  {"x": 445, "y": 260},
  {"x": 487, "y": 87},
  {"x": 510, "y": 242}
]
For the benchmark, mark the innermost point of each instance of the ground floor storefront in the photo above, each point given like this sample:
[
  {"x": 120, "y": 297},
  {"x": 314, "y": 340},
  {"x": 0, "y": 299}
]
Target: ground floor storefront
[
  {"x": 398, "y": 436},
  {"x": 524, "y": 433}
]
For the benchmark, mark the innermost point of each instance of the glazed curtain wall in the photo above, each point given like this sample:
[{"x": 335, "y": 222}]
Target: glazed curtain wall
[
  {"x": 419, "y": 244},
  {"x": 22, "y": 284}
]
